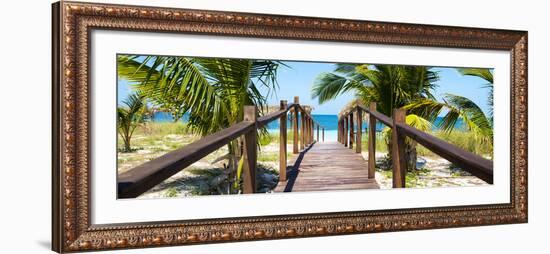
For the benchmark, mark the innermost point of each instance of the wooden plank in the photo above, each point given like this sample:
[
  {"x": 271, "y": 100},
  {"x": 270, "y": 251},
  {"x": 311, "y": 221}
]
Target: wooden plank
[
  {"x": 327, "y": 166},
  {"x": 138, "y": 180},
  {"x": 399, "y": 167},
  {"x": 250, "y": 152}
]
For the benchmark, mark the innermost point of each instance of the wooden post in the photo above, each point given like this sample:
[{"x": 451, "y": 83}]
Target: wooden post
[
  {"x": 282, "y": 144},
  {"x": 250, "y": 152},
  {"x": 311, "y": 130},
  {"x": 338, "y": 132},
  {"x": 323, "y": 134},
  {"x": 345, "y": 131},
  {"x": 308, "y": 130},
  {"x": 302, "y": 130},
  {"x": 359, "y": 130},
  {"x": 304, "y": 135},
  {"x": 398, "y": 150},
  {"x": 318, "y": 133},
  {"x": 341, "y": 132},
  {"x": 372, "y": 140},
  {"x": 295, "y": 125},
  {"x": 351, "y": 131}
]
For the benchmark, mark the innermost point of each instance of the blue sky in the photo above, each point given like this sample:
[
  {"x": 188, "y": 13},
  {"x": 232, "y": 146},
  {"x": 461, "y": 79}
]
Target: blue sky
[{"x": 298, "y": 79}]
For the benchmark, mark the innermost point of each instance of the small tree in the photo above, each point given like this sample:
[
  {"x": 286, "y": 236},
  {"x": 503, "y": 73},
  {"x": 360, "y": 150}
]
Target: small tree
[{"x": 129, "y": 117}]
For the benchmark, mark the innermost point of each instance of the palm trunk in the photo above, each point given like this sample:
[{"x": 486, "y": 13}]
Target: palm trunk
[
  {"x": 127, "y": 147},
  {"x": 411, "y": 154},
  {"x": 235, "y": 150}
]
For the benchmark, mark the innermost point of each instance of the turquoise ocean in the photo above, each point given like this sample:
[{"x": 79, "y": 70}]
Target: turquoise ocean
[{"x": 328, "y": 122}]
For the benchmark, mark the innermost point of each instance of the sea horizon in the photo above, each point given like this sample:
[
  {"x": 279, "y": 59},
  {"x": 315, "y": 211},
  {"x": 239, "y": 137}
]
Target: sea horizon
[{"x": 328, "y": 122}]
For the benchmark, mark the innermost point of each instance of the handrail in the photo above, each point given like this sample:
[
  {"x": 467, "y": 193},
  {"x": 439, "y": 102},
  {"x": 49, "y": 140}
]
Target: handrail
[
  {"x": 467, "y": 161},
  {"x": 303, "y": 110},
  {"x": 138, "y": 180},
  {"x": 264, "y": 120},
  {"x": 470, "y": 162},
  {"x": 383, "y": 118}
]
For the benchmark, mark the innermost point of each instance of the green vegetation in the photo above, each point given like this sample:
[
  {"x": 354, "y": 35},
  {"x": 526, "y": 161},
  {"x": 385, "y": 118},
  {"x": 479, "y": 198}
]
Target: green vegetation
[
  {"x": 151, "y": 140},
  {"x": 390, "y": 86},
  {"x": 212, "y": 92},
  {"x": 462, "y": 139},
  {"x": 410, "y": 88},
  {"x": 457, "y": 107},
  {"x": 380, "y": 143},
  {"x": 129, "y": 117},
  {"x": 215, "y": 87},
  {"x": 162, "y": 128},
  {"x": 154, "y": 139}
]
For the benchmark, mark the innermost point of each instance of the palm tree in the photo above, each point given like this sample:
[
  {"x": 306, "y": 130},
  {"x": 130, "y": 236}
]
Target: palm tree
[
  {"x": 390, "y": 86},
  {"x": 487, "y": 75},
  {"x": 455, "y": 107},
  {"x": 129, "y": 117},
  {"x": 212, "y": 91}
]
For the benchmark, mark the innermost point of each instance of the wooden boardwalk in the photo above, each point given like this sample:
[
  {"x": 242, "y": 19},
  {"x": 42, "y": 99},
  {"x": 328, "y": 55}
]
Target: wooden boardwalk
[{"x": 327, "y": 166}]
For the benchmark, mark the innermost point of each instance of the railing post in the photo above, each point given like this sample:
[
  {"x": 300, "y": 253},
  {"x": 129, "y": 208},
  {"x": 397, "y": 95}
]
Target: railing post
[
  {"x": 302, "y": 130},
  {"x": 295, "y": 125},
  {"x": 282, "y": 143},
  {"x": 318, "y": 132},
  {"x": 359, "y": 130},
  {"x": 341, "y": 125},
  {"x": 311, "y": 132},
  {"x": 337, "y": 131},
  {"x": 308, "y": 130},
  {"x": 351, "y": 131},
  {"x": 345, "y": 131},
  {"x": 398, "y": 150},
  {"x": 342, "y": 131},
  {"x": 372, "y": 140},
  {"x": 250, "y": 152},
  {"x": 323, "y": 134}
]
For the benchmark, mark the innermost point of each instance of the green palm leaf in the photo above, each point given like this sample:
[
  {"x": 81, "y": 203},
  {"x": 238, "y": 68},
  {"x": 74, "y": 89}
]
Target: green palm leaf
[{"x": 453, "y": 108}]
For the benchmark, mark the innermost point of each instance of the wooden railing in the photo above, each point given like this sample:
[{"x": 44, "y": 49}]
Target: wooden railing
[
  {"x": 140, "y": 179},
  {"x": 472, "y": 163}
]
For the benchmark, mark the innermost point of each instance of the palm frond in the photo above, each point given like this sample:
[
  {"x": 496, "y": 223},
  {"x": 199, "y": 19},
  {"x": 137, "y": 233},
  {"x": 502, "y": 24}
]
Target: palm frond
[
  {"x": 418, "y": 122},
  {"x": 483, "y": 73},
  {"x": 453, "y": 108},
  {"x": 328, "y": 86}
]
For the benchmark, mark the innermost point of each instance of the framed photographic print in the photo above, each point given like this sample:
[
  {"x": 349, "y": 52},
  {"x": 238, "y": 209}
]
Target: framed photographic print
[{"x": 177, "y": 126}]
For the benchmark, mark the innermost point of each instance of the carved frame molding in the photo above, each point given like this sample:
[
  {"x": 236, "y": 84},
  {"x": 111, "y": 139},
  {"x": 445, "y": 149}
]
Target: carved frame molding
[{"x": 71, "y": 226}]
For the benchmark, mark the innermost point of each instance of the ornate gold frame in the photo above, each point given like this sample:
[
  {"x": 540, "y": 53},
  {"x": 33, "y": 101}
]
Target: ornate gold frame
[{"x": 71, "y": 227}]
